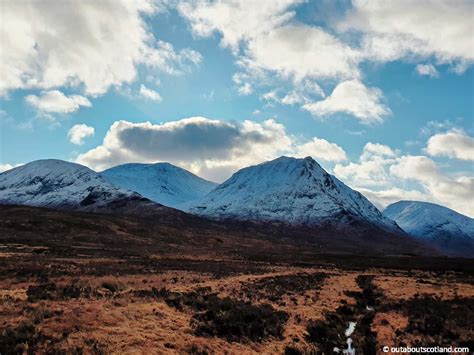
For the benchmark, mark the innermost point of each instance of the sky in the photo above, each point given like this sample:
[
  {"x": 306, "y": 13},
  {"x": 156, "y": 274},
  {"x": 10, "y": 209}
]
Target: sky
[{"x": 380, "y": 93}]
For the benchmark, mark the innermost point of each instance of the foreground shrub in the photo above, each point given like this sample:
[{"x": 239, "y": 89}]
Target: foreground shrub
[
  {"x": 436, "y": 320},
  {"x": 50, "y": 291},
  {"x": 275, "y": 287},
  {"x": 235, "y": 320},
  {"x": 226, "y": 318},
  {"x": 20, "y": 340}
]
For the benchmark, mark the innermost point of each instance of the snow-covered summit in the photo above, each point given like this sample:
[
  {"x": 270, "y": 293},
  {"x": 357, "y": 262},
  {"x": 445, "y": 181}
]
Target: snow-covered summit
[
  {"x": 440, "y": 226},
  {"x": 164, "y": 183},
  {"x": 296, "y": 191},
  {"x": 59, "y": 184},
  {"x": 425, "y": 219}
]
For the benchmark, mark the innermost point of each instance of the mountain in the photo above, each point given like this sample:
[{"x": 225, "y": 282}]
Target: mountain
[
  {"x": 161, "y": 182},
  {"x": 67, "y": 187},
  {"x": 64, "y": 185},
  {"x": 295, "y": 191},
  {"x": 443, "y": 228}
]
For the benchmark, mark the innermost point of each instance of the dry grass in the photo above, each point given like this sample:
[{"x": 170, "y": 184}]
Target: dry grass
[
  {"x": 407, "y": 287},
  {"x": 114, "y": 319},
  {"x": 78, "y": 283}
]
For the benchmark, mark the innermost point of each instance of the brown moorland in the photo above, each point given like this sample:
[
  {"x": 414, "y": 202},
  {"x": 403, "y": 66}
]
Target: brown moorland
[{"x": 79, "y": 283}]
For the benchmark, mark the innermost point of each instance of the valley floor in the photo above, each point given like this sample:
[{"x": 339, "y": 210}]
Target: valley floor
[{"x": 89, "y": 298}]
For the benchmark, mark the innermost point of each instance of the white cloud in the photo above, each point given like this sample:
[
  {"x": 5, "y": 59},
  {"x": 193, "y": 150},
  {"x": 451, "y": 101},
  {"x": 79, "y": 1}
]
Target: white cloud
[
  {"x": 245, "y": 89},
  {"x": 150, "y": 94},
  {"x": 454, "y": 144},
  {"x": 79, "y": 132},
  {"x": 5, "y": 167},
  {"x": 235, "y": 20},
  {"x": 321, "y": 149},
  {"x": 373, "y": 151},
  {"x": 432, "y": 127},
  {"x": 457, "y": 193},
  {"x": 301, "y": 52},
  {"x": 427, "y": 70},
  {"x": 273, "y": 47},
  {"x": 163, "y": 57},
  {"x": 89, "y": 45},
  {"x": 399, "y": 29},
  {"x": 208, "y": 147},
  {"x": 271, "y": 96},
  {"x": 367, "y": 173},
  {"x": 371, "y": 170},
  {"x": 213, "y": 149},
  {"x": 243, "y": 83},
  {"x": 292, "y": 98},
  {"x": 55, "y": 101},
  {"x": 385, "y": 177},
  {"x": 269, "y": 48},
  {"x": 355, "y": 132},
  {"x": 383, "y": 198},
  {"x": 418, "y": 168},
  {"x": 305, "y": 92},
  {"x": 354, "y": 98}
]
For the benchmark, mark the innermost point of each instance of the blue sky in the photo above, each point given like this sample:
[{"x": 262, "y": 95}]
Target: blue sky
[{"x": 381, "y": 94}]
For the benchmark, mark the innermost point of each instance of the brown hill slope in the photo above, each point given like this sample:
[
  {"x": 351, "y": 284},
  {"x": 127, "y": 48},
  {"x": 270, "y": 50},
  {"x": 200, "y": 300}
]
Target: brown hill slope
[{"x": 168, "y": 231}]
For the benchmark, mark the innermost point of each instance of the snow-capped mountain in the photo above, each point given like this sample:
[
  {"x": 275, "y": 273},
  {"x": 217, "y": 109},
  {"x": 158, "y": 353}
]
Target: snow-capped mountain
[
  {"x": 296, "y": 191},
  {"x": 60, "y": 184},
  {"x": 440, "y": 226},
  {"x": 312, "y": 204},
  {"x": 164, "y": 183}
]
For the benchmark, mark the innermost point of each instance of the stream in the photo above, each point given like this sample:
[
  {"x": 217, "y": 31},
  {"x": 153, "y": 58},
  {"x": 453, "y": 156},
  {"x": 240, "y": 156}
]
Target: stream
[{"x": 349, "y": 350}]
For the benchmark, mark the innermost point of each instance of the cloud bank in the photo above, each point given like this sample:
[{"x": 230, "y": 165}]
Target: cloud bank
[
  {"x": 385, "y": 176},
  {"x": 411, "y": 30},
  {"x": 273, "y": 47},
  {"x": 211, "y": 148}
]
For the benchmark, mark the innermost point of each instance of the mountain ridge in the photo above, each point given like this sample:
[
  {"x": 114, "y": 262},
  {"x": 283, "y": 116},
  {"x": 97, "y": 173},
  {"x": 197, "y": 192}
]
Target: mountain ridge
[
  {"x": 441, "y": 227},
  {"x": 54, "y": 183},
  {"x": 353, "y": 226},
  {"x": 163, "y": 183}
]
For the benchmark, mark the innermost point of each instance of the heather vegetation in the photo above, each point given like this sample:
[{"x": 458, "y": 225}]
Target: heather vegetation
[{"x": 106, "y": 287}]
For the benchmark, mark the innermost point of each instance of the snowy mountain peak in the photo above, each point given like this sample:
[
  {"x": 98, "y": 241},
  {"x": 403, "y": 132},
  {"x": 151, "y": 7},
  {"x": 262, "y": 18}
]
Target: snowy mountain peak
[
  {"x": 161, "y": 182},
  {"x": 424, "y": 218},
  {"x": 297, "y": 191},
  {"x": 58, "y": 184},
  {"x": 50, "y": 166},
  {"x": 440, "y": 226}
]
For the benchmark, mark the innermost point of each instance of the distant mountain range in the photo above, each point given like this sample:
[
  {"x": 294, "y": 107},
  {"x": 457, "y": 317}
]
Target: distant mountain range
[
  {"x": 292, "y": 192},
  {"x": 68, "y": 186},
  {"x": 441, "y": 227}
]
